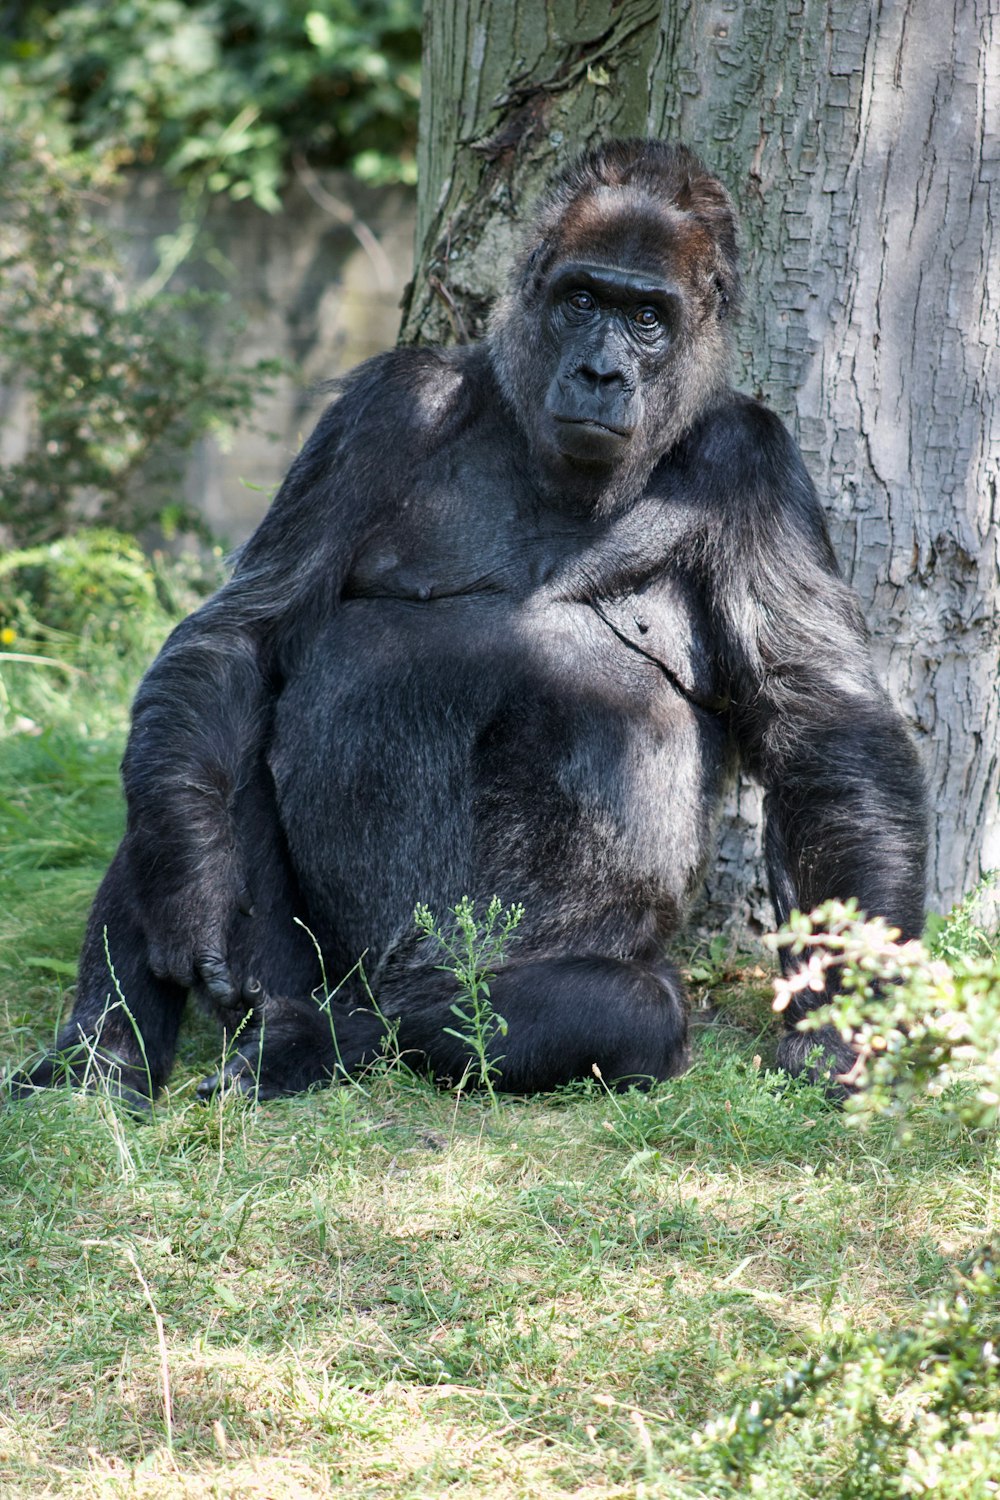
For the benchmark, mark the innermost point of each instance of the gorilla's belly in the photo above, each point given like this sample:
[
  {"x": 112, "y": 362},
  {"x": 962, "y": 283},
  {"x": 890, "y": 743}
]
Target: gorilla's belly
[{"x": 470, "y": 746}]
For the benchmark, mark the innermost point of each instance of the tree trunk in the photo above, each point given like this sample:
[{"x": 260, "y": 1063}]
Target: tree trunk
[{"x": 861, "y": 142}]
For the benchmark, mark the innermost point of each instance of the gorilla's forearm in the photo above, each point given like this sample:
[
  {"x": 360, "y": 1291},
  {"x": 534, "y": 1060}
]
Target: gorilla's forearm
[
  {"x": 846, "y": 813},
  {"x": 844, "y": 789},
  {"x": 199, "y": 724}
]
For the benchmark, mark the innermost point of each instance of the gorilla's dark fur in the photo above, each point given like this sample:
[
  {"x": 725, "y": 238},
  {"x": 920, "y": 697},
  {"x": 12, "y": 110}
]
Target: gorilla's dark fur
[{"x": 516, "y": 614}]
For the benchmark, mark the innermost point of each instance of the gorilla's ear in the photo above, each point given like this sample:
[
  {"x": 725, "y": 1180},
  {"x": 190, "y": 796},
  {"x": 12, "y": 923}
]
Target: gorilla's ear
[
  {"x": 704, "y": 197},
  {"x": 726, "y": 292},
  {"x": 531, "y": 279}
]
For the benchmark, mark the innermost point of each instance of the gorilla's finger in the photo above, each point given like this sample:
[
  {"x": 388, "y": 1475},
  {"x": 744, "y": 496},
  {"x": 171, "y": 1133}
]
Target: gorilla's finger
[
  {"x": 236, "y": 1077},
  {"x": 168, "y": 963},
  {"x": 208, "y": 1087},
  {"x": 215, "y": 975}
]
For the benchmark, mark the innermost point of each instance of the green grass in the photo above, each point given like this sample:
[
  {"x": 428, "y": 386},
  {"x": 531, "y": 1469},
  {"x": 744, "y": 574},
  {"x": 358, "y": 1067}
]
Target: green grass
[{"x": 382, "y": 1290}]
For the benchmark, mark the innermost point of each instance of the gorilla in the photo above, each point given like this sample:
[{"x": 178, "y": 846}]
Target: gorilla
[{"x": 517, "y": 614}]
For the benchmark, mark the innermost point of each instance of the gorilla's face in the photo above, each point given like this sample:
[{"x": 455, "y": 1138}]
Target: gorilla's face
[
  {"x": 613, "y": 341},
  {"x": 612, "y": 330}
]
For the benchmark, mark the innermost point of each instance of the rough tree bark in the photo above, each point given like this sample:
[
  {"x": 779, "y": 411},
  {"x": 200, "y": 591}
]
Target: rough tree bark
[{"x": 861, "y": 141}]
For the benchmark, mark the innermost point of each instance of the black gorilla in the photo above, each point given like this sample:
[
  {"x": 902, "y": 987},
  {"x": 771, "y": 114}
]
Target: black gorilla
[{"x": 513, "y": 618}]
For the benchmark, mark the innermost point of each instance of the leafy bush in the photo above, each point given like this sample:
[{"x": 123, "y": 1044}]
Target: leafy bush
[
  {"x": 94, "y": 584},
  {"x": 923, "y": 1025},
  {"x": 119, "y": 386},
  {"x": 80, "y": 619},
  {"x": 912, "y": 1410},
  {"x": 914, "y": 1403},
  {"x": 223, "y": 93},
  {"x": 97, "y": 588}
]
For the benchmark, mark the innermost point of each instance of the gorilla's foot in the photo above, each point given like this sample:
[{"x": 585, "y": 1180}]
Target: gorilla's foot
[
  {"x": 85, "y": 1065},
  {"x": 563, "y": 1017},
  {"x": 293, "y": 1046},
  {"x": 822, "y": 1057}
]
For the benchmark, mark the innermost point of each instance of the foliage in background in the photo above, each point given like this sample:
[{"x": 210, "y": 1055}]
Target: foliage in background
[
  {"x": 97, "y": 585},
  {"x": 97, "y": 588},
  {"x": 91, "y": 608},
  {"x": 224, "y": 94},
  {"x": 924, "y": 1024},
  {"x": 119, "y": 387}
]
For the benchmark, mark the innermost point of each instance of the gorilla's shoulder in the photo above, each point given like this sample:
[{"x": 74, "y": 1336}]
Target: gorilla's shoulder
[
  {"x": 427, "y": 395},
  {"x": 737, "y": 430},
  {"x": 744, "y": 453}
]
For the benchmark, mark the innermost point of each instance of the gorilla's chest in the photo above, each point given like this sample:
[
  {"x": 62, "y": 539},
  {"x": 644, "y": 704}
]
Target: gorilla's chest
[
  {"x": 492, "y": 679},
  {"x": 483, "y": 578},
  {"x": 464, "y": 530}
]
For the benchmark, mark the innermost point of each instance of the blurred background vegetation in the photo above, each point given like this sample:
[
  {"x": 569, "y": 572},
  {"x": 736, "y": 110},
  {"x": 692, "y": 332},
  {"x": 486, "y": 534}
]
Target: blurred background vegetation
[
  {"x": 106, "y": 383},
  {"x": 222, "y": 95}
]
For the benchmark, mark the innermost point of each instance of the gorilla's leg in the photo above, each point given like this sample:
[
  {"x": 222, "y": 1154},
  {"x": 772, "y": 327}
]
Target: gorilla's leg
[
  {"x": 292, "y": 1044},
  {"x": 563, "y": 1017},
  {"x": 123, "y": 1030},
  {"x": 821, "y": 1056},
  {"x": 124, "y": 1025}
]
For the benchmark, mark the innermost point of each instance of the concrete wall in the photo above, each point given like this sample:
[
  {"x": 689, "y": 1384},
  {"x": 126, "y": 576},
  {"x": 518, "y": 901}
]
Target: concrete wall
[{"x": 304, "y": 288}]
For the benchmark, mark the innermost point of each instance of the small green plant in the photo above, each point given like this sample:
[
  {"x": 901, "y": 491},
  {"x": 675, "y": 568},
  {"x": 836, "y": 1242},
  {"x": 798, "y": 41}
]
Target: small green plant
[
  {"x": 711, "y": 961},
  {"x": 474, "y": 951},
  {"x": 922, "y": 1026},
  {"x": 962, "y": 932}
]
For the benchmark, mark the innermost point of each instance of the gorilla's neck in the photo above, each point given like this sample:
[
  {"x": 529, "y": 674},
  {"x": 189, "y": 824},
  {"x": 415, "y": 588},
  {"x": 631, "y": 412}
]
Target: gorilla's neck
[{"x": 590, "y": 489}]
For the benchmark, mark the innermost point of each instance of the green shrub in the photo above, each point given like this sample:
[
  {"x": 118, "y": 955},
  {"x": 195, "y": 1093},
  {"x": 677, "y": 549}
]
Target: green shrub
[
  {"x": 94, "y": 584},
  {"x": 81, "y": 618},
  {"x": 118, "y": 386},
  {"x": 222, "y": 94},
  {"x": 923, "y": 1025},
  {"x": 910, "y": 1406},
  {"x": 99, "y": 589}
]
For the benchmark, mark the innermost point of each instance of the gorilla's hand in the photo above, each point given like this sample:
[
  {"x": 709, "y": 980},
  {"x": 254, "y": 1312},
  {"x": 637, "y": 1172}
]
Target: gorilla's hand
[{"x": 188, "y": 934}]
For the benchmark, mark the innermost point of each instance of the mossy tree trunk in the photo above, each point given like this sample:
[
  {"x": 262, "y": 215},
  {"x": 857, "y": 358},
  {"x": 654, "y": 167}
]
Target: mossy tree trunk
[{"x": 861, "y": 141}]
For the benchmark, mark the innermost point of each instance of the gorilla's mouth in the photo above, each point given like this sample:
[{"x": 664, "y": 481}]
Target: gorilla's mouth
[
  {"x": 584, "y": 440},
  {"x": 592, "y": 424}
]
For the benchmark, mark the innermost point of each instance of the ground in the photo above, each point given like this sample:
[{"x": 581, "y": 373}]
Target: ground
[{"x": 386, "y": 1290}]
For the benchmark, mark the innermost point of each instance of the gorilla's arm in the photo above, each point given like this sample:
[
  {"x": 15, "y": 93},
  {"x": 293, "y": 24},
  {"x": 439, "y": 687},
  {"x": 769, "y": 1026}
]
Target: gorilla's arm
[
  {"x": 202, "y": 716},
  {"x": 844, "y": 792},
  {"x": 202, "y": 713}
]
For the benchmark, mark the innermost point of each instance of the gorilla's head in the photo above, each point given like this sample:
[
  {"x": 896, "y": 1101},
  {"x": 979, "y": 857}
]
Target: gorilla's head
[{"x": 612, "y": 336}]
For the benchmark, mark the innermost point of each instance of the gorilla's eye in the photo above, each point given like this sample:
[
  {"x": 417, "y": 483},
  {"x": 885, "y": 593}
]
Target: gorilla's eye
[
  {"x": 646, "y": 317},
  {"x": 581, "y": 301}
]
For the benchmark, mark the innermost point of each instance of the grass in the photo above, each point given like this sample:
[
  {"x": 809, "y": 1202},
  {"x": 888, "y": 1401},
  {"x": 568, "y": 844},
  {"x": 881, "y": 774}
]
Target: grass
[{"x": 382, "y": 1290}]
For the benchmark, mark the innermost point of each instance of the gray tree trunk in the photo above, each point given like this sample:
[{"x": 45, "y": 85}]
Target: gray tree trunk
[{"x": 861, "y": 142}]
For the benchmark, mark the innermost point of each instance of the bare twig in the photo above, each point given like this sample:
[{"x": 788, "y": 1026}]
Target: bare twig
[
  {"x": 168, "y": 1411},
  {"x": 344, "y": 214}
]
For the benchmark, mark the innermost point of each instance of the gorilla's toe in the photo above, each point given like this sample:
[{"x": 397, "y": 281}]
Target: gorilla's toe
[{"x": 822, "y": 1056}]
